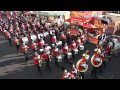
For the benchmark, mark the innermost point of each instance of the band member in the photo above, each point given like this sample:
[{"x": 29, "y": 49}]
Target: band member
[
  {"x": 103, "y": 56},
  {"x": 18, "y": 29},
  {"x": 34, "y": 30},
  {"x": 87, "y": 55},
  {"x": 66, "y": 75},
  {"x": 11, "y": 31},
  {"x": 99, "y": 49},
  {"x": 108, "y": 49},
  {"x": 42, "y": 42},
  {"x": 65, "y": 51},
  {"x": 17, "y": 43},
  {"x": 53, "y": 39},
  {"x": 55, "y": 53},
  {"x": 37, "y": 25},
  {"x": 9, "y": 38},
  {"x": 83, "y": 38},
  {"x": 24, "y": 50},
  {"x": 68, "y": 37},
  {"x": 47, "y": 49},
  {"x": 96, "y": 63},
  {"x": 78, "y": 41},
  {"x": 74, "y": 49},
  {"x": 46, "y": 57},
  {"x": 103, "y": 37},
  {"x": 51, "y": 31},
  {"x": 63, "y": 38},
  {"x": 82, "y": 67},
  {"x": 74, "y": 72},
  {"x": 34, "y": 46},
  {"x": 37, "y": 61}
]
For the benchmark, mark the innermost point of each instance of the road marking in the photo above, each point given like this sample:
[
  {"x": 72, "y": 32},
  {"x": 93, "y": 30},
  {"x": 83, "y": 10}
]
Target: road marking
[
  {"x": 11, "y": 55},
  {"x": 4, "y": 41},
  {"x": 4, "y": 59}
]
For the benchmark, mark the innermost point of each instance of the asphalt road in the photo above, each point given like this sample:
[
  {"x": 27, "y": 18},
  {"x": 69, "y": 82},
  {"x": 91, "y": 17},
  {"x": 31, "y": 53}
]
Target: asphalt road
[{"x": 13, "y": 65}]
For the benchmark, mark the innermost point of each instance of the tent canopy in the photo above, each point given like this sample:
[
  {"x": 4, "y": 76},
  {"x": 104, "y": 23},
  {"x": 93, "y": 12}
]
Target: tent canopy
[
  {"x": 79, "y": 19},
  {"x": 89, "y": 26}
]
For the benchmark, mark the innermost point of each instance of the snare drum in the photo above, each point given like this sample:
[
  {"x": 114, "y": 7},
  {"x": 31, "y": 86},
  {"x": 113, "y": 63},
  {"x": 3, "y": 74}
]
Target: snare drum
[
  {"x": 69, "y": 54},
  {"x": 59, "y": 43},
  {"x": 48, "y": 52},
  {"x": 81, "y": 47},
  {"x": 40, "y": 35},
  {"x": 46, "y": 34},
  {"x": 59, "y": 58},
  {"x": 34, "y": 37},
  {"x": 41, "y": 50},
  {"x": 75, "y": 51},
  {"x": 25, "y": 40}
]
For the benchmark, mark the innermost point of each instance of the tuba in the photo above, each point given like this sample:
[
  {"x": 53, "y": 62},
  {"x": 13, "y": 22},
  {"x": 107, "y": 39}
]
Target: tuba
[
  {"x": 96, "y": 61},
  {"x": 82, "y": 66}
]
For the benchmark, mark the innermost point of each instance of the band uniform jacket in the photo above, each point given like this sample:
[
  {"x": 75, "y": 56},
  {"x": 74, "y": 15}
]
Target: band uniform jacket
[{"x": 65, "y": 49}]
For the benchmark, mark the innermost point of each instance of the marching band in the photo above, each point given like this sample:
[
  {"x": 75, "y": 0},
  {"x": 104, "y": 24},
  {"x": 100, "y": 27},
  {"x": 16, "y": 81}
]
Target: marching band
[{"x": 34, "y": 34}]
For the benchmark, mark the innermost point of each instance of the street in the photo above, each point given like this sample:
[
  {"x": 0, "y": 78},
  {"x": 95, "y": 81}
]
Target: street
[{"x": 13, "y": 65}]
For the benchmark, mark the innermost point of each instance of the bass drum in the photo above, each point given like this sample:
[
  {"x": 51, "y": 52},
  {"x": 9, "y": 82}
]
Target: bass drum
[
  {"x": 25, "y": 40},
  {"x": 34, "y": 38},
  {"x": 96, "y": 62},
  {"x": 82, "y": 66}
]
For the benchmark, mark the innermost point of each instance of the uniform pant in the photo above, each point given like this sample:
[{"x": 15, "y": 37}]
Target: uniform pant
[
  {"x": 73, "y": 54},
  {"x": 104, "y": 63},
  {"x": 47, "y": 63},
  {"x": 94, "y": 71},
  {"x": 82, "y": 75},
  {"x": 56, "y": 60},
  {"x": 100, "y": 69},
  {"x": 38, "y": 67},
  {"x": 9, "y": 39},
  {"x": 26, "y": 56},
  {"x": 17, "y": 46},
  {"x": 65, "y": 57},
  {"x": 63, "y": 42}
]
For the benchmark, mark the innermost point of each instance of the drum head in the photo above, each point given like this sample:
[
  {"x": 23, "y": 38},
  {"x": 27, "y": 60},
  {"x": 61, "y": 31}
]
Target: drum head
[
  {"x": 34, "y": 37},
  {"x": 69, "y": 53},
  {"x": 40, "y": 35},
  {"x": 25, "y": 40}
]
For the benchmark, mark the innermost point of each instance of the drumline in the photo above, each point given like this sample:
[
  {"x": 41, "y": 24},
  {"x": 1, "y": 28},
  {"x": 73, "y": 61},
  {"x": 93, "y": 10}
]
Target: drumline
[{"x": 35, "y": 37}]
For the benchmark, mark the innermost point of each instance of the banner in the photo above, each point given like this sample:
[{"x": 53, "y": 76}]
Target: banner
[{"x": 85, "y": 13}]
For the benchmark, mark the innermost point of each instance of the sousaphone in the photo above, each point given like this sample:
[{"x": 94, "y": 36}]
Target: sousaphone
[
  {"x": 82, "y": 66},
  {"x": 96, "y": 61}
]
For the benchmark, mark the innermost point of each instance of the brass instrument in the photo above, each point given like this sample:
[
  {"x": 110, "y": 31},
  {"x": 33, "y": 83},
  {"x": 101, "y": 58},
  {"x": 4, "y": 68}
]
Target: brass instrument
[
  {"x": 98, "y": 63},
  {"x": 81, "y": 63}
]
